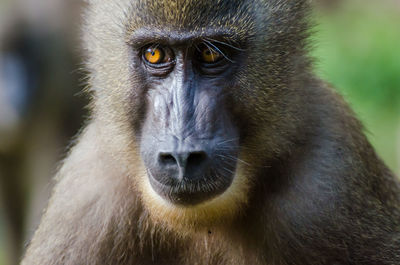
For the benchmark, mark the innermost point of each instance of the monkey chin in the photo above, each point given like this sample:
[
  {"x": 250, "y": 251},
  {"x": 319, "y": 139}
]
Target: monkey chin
[{"x": 185, "y": 219}]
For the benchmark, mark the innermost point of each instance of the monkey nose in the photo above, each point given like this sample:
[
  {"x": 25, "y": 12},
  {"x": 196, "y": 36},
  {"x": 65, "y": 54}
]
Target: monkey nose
[{"x": 186, "y": 164}]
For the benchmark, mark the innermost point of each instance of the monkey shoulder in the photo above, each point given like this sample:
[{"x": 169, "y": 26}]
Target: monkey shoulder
[
  {"x": 338, "y": 188},
  {"x": 91, "y": 205}
]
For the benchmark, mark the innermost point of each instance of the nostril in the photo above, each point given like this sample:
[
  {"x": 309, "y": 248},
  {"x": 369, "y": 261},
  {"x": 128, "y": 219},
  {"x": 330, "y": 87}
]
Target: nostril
[
  {"x": 167, "y": 159},
  {"x": 180, "y": 165},
  {"x": 196, "y": 158}
]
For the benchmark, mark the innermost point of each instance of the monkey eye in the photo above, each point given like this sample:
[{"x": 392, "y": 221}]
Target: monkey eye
[
  {"x": 209, "y": 55},
  {"x": 156, "y": 54}
]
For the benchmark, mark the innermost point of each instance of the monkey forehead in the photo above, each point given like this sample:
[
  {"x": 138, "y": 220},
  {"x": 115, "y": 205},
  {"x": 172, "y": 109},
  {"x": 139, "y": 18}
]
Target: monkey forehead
[{"x": 192, "y": 15}]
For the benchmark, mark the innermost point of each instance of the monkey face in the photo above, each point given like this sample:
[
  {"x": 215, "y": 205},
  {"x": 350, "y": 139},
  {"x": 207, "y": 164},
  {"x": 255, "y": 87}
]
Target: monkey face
[
  {"x": 188, "y": 137},
  {"x": 189, "y": 143}
]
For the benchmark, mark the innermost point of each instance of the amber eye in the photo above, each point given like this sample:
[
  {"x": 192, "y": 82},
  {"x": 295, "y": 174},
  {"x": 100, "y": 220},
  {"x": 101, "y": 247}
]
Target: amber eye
[
  {"x": 209, "y": 55},
  {"x": 154, "y": 55}
]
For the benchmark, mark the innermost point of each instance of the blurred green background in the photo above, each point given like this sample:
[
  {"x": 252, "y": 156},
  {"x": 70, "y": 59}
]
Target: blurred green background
[
  {"x": 356, "y": 46},
  {"x": 357, "y": 49}
]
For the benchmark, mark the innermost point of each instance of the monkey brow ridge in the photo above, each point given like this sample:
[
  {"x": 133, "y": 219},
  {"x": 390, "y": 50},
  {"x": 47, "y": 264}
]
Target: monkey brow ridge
[{"x": 143, "y": 36}]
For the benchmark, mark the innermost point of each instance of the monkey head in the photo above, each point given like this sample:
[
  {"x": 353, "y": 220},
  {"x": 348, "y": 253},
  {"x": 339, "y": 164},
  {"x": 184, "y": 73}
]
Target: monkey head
[{"x": 196, "y": 89}]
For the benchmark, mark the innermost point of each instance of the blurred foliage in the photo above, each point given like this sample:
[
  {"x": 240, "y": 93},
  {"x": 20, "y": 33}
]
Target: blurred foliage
[{"x": 357, "y": 49}]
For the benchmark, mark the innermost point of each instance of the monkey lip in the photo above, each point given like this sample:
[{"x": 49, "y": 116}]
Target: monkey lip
[{"x": 190, "y": 193}]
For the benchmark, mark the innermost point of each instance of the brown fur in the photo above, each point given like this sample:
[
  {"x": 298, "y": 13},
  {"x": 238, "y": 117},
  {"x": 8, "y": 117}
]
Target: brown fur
[{"x": 309, "y": 188}]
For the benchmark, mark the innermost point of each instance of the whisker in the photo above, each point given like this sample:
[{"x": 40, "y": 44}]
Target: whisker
[
  {"x": 227, "y": 141},
  {"x": 234, "y": 159},
  {"x": 226, "y": 44},
  {"x": 211, "y": 51},
  {"x": 244, "y": 162},
  {"x": 217, "y": 49},
  {"x": 197, "y": 47},
  {"x": 228, "y": 170}
]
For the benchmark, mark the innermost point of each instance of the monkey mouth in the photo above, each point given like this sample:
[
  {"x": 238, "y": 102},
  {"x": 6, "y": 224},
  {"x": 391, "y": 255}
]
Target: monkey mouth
[{"x": 191, "y": 192}]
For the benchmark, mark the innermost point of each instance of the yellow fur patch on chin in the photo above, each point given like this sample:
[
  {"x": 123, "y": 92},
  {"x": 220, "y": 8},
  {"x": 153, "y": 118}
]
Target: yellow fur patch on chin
[{"x": 217, "y": 210}]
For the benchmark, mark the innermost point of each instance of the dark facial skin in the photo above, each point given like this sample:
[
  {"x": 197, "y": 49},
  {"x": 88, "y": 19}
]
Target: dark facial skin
[{"x": 188, "y": 138}]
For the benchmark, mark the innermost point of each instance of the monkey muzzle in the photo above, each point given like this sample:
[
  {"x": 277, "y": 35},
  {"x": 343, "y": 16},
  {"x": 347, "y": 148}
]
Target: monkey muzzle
[{"x": 191, "y": 174}]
